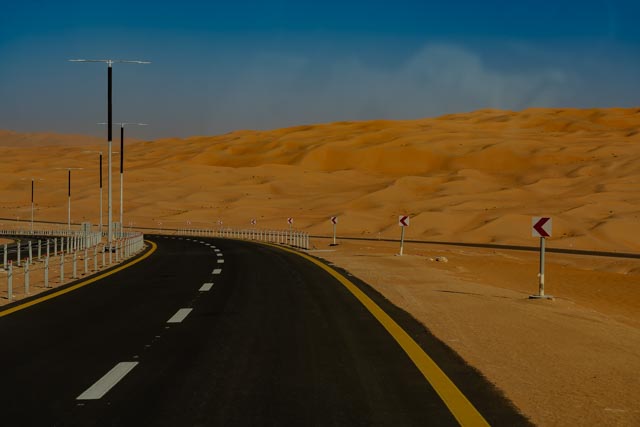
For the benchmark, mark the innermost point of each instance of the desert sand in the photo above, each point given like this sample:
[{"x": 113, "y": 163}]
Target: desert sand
[{"x": 474, "y": 177}]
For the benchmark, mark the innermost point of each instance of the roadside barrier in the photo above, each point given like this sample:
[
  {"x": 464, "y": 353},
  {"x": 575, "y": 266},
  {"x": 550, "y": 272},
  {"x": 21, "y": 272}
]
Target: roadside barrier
[
  {"x": 42, "y": 271},
  {"x": 293, "y": 238}
]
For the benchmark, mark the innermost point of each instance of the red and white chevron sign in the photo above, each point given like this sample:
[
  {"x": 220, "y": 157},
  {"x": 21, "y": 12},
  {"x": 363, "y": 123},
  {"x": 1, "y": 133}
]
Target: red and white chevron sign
[
  {"x": 290, "y": 220},
  {"x": 403, "y": 220},
  {"x": 541, "y": 226},
  {"x": 334, "y": 220},
  {"x": 253, "y": 221}
]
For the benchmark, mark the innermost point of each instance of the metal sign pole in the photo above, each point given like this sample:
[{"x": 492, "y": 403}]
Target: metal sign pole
[
  {"x": 541, "y": 281},
  {"x": 334, "y": 234},
  {"x": 541, "y": 228},
  {"x": 401, "y": 241}
]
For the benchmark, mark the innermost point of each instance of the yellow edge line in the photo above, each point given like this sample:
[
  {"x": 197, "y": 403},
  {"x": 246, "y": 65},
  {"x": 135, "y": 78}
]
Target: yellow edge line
[
  {"x": 458, "y": 404},
  {"x": 79, "y": 285}
]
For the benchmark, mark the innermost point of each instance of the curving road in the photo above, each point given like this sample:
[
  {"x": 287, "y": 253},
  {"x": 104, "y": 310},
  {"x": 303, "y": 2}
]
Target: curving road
[{"x": 218, "y": 332}]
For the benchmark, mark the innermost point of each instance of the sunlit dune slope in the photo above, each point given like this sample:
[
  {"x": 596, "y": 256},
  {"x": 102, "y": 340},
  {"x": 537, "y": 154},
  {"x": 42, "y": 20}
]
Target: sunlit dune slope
[{"x": 473, "y": 177}]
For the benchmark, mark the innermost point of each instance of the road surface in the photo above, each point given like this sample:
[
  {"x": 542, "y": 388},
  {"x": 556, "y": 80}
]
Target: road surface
[{"x": 219, "y": 332}]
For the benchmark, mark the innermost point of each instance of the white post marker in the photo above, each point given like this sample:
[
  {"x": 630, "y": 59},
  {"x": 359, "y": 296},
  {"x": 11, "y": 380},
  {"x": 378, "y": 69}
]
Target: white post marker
[
  {"x": 403, "y": 221},
  {"x": 290, "y": 221},
  {"x": 541, "y": 227},
  {"x": 334, "y": 221}
]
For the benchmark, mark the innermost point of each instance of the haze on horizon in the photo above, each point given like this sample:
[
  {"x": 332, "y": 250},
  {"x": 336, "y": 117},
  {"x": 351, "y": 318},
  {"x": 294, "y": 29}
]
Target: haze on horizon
[{"x": 219, "y": 67}]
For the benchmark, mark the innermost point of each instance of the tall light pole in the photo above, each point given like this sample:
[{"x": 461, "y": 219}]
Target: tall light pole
[
  {"x": 122, "y": 125},
  {"x": 100, "y": 153},
  {"x": 69, "y": 195},
  {"x": 110, "y": 63},
  {"x": 33, "y": 180}
]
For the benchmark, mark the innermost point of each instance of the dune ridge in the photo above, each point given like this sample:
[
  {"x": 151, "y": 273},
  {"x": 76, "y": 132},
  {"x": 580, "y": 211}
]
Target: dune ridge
[{"x": 475, "y": 177}]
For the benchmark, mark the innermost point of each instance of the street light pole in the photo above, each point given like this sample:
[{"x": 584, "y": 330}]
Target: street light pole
[
  {"x": 101, "y": 195},
  {"x": 69, "y": 195},
  {"x": 69, "y": 209},
  {"x": 100, "y": 182},
  {"x": 122, "y": 125},
  {"x": 121, "y": 175},
  {"x": 110, "y": 63},
  {"x": 32, "y": 198},
  {"x": 109, "y": 143}
]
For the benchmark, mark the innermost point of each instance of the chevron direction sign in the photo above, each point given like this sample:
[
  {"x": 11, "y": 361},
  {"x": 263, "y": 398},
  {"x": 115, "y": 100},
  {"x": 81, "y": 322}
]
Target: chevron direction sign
[
  {"x": 403, "y": 220},
  {"x": 290, "y": 221},
  {"x": 334, "y": 220},
  {"x": 541, "y": 226}
]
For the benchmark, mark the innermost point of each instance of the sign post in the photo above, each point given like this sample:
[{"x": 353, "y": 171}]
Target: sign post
[
  {"x": 403, "y": 221},
  {"x": 334, "y": 221},
  {"x": 541, "y": 227}
]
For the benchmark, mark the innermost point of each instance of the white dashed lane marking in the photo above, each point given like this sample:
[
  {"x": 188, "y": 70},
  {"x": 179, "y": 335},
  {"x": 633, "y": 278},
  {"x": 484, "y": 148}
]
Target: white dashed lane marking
[
  {"x": 220, "y": 261},
  {"x": 180, "y": 315},
  {"x": 217, "y": 271},
  {"x": 106, "y": 383},
  {"x": 206, "y": 287}
]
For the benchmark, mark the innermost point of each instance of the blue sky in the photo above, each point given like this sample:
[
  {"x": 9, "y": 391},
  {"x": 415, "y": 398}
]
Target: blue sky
[{"x": 220, "y": 66}]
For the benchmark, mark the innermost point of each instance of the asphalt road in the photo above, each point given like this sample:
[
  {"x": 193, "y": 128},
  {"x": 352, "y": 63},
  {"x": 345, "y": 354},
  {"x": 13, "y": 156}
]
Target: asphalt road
[{"x": 274, "y": 341}]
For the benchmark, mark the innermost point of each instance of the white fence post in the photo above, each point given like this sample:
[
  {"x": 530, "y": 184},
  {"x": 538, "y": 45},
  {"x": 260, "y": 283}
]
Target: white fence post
[
  {"x": 75, "y": 265},
  {"x": 39, "y": 250},
  {"x": 30, "y": 259},
  {"x": 19, "y": 252},
  {"x": 61, "y": 267},
  {"x": 86, "y": 261},
  {"x": 26, "y": 277},
  {"x": 5, "y": 256},
  {"x": 10, "y": 281},
  {"x": 46, "y": 271}
]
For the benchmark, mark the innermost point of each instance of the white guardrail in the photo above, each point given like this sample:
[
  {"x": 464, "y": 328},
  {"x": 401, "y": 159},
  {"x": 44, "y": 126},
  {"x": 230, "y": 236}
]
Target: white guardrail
[
  {"x": 293, "y": 238},
  {"x": 40, "y": 256}
]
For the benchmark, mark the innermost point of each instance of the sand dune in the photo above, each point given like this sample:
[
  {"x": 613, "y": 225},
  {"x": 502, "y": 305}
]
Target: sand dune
[{"x": 475, "y": 177}]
